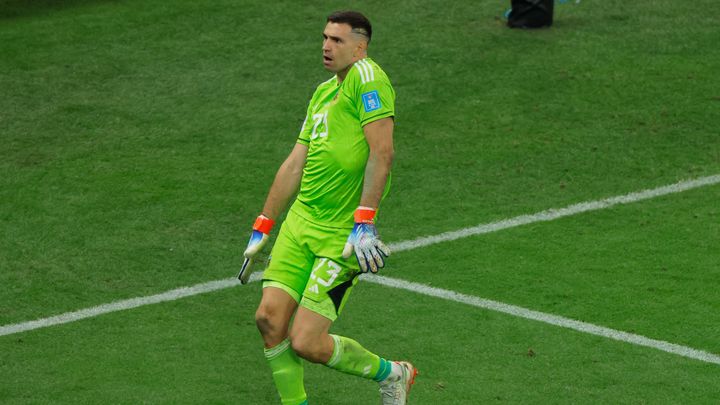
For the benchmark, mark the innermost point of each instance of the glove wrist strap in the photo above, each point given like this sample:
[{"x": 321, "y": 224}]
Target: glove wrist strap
[
  {"x": 365, "y": 215},
  {"x": 263, "y": 224}
]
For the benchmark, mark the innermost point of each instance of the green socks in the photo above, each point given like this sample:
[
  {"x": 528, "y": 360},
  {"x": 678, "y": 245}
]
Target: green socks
[
  {"x": 351, "y": 358},
  {"x": 348, "y": 357},
  {"x": 287, "y": 371}
]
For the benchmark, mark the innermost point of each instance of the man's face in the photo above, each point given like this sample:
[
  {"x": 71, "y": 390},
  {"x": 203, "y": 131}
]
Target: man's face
[{"x": 340, "y": 47}]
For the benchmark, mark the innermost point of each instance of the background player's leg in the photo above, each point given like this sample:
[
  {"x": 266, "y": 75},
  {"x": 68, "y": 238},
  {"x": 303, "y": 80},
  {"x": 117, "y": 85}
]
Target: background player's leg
[{"x": 273, "y": 319}]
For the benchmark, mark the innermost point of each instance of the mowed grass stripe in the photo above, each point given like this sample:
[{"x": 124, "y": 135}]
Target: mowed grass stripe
[{"x": 547, "y": 215}]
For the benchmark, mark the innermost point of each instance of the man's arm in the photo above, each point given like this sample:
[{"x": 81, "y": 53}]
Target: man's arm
[
  {"x": 284, "y": 187},
  {"x": 363, "y": 240},
  {"x": 286, "y": 183},
  {"x": 379, "y": 136}
]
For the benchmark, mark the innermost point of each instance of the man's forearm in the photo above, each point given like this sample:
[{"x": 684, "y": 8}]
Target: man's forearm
[
  {"x": 376, "y": 174},
  {"x": 283, "y": 189}
]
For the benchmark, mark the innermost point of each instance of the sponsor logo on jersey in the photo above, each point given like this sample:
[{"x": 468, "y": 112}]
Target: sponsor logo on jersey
[{"x": 371, "y": 101}]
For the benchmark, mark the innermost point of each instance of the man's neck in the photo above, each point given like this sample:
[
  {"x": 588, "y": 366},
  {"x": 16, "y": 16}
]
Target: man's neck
[{"x": 343, "y": 73}]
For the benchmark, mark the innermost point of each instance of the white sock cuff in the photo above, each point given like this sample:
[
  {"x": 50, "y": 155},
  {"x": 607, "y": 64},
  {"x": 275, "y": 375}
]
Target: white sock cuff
[
  {"x": 273, "y": 352},
  {"x": 337, "y": 351}
]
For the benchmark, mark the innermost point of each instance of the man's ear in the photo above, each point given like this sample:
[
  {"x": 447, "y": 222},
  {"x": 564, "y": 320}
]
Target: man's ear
[{"x": 361, "y": 47}]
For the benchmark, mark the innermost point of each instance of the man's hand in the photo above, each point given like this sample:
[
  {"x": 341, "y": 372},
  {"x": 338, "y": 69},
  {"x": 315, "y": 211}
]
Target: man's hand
[
  {"x": 370, "y": 251},
  {"x": 258, "y": 239}
]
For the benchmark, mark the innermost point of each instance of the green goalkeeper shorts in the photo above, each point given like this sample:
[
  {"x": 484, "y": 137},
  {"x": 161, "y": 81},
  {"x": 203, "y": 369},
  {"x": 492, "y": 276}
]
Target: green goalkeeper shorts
[{"x": 306, "y": 262}]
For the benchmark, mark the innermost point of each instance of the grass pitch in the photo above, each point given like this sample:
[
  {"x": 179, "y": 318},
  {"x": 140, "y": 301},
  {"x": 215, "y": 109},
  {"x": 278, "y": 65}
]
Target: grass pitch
[{"x": 139, "y": 140}]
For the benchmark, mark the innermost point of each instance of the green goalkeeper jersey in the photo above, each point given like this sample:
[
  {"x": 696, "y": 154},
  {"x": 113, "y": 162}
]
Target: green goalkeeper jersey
[{"x": 333, "y": 176}]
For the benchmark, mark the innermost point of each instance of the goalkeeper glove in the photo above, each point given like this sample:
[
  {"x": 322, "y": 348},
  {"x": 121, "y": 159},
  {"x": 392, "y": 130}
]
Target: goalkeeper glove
[
  {"x": 258, "y": 239},
  {"x": 369, "y": 250}
]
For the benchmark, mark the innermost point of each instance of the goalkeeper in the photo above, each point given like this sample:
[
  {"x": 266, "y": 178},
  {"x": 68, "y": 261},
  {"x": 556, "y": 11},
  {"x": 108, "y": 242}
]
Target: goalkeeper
[{"x": 339, "y": 168}]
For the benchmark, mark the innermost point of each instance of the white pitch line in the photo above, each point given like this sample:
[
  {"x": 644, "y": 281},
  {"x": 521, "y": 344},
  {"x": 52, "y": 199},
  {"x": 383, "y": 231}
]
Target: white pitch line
[
  {"x": 544, "y": 317},
  {"x": 552, "y": 214},
  {"x": 547, "y": 215},
  {"x": 118, "y": 306}
]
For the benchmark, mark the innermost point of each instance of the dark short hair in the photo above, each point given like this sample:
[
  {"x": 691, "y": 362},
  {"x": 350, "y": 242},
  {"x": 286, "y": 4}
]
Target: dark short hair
[{"x": 358, "y": 22}]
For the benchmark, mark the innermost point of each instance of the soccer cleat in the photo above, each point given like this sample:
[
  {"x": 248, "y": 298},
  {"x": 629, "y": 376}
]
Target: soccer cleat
[{"x": 396, "y": 392}]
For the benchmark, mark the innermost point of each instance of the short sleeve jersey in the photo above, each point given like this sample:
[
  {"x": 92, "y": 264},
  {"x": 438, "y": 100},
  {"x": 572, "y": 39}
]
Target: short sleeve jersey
[{"x": 334, "y": 171}]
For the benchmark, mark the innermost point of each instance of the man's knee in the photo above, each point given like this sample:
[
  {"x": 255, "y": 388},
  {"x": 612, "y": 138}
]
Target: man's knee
[
  {"x": 263, "y": 319},
  {"x": 273, "y": 315},
  {"x": 310, "y": 346},
  {"x": 302, "y": 345},
  {"x": 271, "y": 322}
]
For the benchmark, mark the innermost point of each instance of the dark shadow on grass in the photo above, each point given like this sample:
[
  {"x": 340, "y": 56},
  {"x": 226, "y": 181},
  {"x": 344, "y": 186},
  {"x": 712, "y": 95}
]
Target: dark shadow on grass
[
  {"x": 563, "y": 23},
  {"x": 10, "y": 9}
]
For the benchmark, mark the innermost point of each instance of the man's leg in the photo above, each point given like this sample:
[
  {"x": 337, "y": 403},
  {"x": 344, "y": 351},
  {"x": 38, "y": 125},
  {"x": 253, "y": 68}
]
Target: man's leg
[
  {"x": 330, "y": 284},
  {"x": 273, "y": 315},
  {"x": 273, "y": 319},
  {"x": 311, "y": 341}
]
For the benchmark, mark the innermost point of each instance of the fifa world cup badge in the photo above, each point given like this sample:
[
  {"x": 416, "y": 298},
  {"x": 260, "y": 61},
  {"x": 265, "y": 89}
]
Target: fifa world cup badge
[{"x": 371, "y": 101}]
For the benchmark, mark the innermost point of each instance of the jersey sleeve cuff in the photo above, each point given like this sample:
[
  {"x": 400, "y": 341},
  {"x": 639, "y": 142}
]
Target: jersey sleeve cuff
[{"x": 377, "y": 117}]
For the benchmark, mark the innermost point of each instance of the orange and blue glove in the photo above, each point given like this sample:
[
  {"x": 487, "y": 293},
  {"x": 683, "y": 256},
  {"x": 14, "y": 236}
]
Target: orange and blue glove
[
  {"x": 260, "y": 235},
  {"x": 369, "y": 250}
]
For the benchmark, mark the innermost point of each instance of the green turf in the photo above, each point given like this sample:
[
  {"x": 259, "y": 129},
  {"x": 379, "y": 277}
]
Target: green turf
[
  {"x": 650, "y": 266},
  {"x": 204, "y": 349},
  {"x": 139, "y": 140}
]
